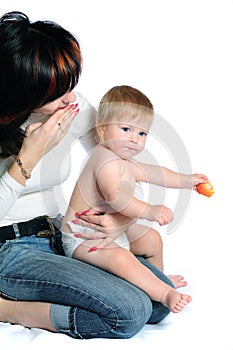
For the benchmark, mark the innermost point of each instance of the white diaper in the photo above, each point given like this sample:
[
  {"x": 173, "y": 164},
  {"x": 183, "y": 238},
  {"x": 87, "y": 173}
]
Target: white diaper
[{"x": 70, "y": 242}]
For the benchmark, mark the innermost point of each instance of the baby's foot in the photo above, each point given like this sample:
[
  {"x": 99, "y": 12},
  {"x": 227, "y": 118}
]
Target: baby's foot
[
  {"x": 178, "y": 281},
  {"x": 176, "y": 301}
]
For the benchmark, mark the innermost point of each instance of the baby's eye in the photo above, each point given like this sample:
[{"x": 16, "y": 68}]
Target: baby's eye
[
  {"x": 125, "y": 129},
  {"x": 142, "y": 133}
]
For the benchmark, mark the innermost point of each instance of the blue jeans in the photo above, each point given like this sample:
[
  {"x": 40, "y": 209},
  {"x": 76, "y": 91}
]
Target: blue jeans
[{"x": 87, "y": 302}]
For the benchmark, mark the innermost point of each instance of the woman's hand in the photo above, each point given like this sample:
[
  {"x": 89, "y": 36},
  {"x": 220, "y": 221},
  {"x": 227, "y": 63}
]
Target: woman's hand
[
  {"x": 106, "y": 225},
  {"x": 42, "y": 137}
]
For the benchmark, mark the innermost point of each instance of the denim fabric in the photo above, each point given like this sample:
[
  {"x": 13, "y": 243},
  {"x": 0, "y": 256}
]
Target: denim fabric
[{"x": 87, "y": 302}]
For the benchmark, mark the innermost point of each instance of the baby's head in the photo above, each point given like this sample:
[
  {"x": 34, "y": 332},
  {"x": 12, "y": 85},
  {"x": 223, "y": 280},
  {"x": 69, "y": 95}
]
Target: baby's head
[
  {"x": 125, "y": 104},
  {"x": 123, "y": 120}
]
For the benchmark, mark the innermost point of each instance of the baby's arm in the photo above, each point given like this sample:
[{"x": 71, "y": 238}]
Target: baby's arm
[
  {"x": 165, "y": 177},
  {"x": 118, "y": 193}
]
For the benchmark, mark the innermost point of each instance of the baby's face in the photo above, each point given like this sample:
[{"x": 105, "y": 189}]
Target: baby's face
[{"x": 124, "y": 139}]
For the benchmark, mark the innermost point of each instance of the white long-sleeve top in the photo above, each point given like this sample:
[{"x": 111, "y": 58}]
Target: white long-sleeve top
[{"x": 19, "y": 203}]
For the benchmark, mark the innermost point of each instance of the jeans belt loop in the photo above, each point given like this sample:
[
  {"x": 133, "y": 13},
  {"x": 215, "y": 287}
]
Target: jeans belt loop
[
  {"x": 50, "y": 225},
  {"x": 16, "y": 229}
]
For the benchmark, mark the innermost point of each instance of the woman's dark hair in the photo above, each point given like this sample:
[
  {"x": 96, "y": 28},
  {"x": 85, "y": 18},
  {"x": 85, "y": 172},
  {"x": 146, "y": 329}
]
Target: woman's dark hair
[{"x": 39, "y": 62}]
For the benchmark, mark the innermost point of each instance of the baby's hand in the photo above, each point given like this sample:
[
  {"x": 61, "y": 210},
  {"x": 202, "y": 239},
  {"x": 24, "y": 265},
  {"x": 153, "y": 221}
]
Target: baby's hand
[
  {"x": 163, "y": 215},
  {"x": 196, "y": 179},
  {"x": 201, "y": 184}
]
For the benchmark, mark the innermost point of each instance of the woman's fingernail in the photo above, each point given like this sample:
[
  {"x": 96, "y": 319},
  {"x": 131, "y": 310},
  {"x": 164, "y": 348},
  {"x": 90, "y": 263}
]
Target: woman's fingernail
[
  {"x": 75, "y": 113},
  {"x": 85, "y": 212},
  {"x": 74, "y": 105},
  {"x": 77, "y": 215},
  {"x": 92, "y": 249},
  {"x": 78, "y": 235},
  {"x": 76, "y": 222}
]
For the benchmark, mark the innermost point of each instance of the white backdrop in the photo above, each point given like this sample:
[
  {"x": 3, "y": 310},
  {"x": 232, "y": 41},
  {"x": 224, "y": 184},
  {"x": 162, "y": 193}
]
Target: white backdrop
[{"x": 180, "y": 54}]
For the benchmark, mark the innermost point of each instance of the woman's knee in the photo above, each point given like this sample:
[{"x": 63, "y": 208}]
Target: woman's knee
[
  {"x": 135, "y": 314},
  {"x": 120, "y": 320}
]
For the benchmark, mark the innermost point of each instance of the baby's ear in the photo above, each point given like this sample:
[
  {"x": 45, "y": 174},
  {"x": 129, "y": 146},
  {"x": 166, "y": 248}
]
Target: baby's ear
[{"x": 100, "y": 132}]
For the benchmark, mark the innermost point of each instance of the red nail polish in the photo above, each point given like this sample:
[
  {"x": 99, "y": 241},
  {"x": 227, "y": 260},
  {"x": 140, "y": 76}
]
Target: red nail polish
[
  {"x": 78, "y": 235},
  {"x": 85, "y": 212},
  {"x": 92, "y": 249},
  {"x": 75, "y": 106},
  {"x": 77, "y": 215},
  {"x": 76, "y": 222}
]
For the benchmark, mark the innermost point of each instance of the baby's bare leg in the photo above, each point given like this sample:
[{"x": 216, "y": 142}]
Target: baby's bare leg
[
  {"x": 27, "y": 313},
  {"x": 123, "y": 263},
  {"x": 146, "y": 242}
]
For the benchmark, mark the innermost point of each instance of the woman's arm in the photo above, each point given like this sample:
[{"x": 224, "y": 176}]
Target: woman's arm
[
  {"x": 40, "y": 139},
  {"x": 10, "y": 190}
]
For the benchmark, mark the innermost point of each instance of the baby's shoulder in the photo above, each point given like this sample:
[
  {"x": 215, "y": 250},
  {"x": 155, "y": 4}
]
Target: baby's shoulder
[{"x": 102, "y": 153}]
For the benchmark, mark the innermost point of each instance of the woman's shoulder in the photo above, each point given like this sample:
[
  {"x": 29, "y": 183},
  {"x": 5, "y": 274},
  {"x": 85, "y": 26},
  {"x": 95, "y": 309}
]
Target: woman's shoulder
[
  {"x": 82, "y": 101},
  {"x": 84, "y": 123}
]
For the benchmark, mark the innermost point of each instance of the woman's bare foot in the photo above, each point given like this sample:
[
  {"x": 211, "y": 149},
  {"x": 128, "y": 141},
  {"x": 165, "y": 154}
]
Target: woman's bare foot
[
  {"x": 178, "y": 281},
  {"x": 2, "y": 310},
  {"x": 176, "y": 301},
  {"x": 26, "y": 313}
]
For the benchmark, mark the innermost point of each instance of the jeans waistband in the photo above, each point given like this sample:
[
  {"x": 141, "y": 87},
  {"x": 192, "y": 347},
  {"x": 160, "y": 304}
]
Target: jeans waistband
[{"x": 42, "y": 226}]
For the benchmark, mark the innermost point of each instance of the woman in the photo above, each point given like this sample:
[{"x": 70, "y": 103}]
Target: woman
[{"x": 40, "y": 117}]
